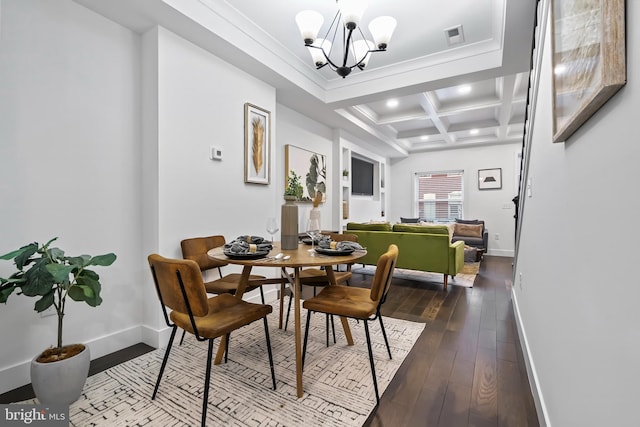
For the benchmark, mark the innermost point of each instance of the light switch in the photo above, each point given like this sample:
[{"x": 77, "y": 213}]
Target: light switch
[{"x": 215, "y": 153}]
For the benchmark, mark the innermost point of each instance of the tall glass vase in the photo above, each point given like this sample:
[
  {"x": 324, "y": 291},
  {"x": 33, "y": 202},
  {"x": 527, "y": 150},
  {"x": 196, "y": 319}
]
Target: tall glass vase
[{"x": 289, "y": 222}]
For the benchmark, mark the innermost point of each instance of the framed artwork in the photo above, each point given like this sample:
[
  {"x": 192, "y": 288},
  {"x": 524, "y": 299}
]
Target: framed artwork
[
  {"x": 311, "y": 167},
  {"x": 257, "y": 144},
  {"x": 588, "y": 45},
  {"x": 490, "y": 179}
]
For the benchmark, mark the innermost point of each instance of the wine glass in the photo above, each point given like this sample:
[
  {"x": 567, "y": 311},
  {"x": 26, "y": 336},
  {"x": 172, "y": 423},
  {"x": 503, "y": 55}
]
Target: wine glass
[
  {"x": 272, "y": 227},
  {"x": 313, "y": 230}
]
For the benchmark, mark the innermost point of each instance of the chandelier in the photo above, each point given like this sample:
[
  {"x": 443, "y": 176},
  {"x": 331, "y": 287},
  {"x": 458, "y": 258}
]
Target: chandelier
[{"x": 356, "y": 49}]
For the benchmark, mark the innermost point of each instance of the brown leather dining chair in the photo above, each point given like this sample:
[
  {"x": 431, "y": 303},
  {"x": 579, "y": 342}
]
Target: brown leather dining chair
[
  {"x": 196, "y": 249},
  {"x": 318, "y": 278},
  {"x": 357, "y": 303},
  {"x": 180, "y": 287}
]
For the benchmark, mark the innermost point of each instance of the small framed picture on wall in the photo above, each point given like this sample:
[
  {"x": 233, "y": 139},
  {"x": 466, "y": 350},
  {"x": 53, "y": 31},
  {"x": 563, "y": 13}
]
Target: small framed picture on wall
[{"x": 490, "y": 179}]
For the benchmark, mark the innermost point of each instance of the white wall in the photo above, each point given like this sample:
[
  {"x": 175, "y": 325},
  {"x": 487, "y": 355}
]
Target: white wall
[
  {"x": 493, "y": 206},
  {"x": 303, "y": 132},
  {"x": 69, "y": 167},
  {"x": 578, "y": 298}
]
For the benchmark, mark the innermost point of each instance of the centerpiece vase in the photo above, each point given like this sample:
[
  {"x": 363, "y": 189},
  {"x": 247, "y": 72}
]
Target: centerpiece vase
[{"x": 289, "y": 222}]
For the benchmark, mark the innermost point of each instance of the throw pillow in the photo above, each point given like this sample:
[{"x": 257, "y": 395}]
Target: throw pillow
[
  {"x": 415, "y": 228},
  {"x": 468, "y": 230},
  {"x": 409, "y": 220},
  {"x": 368, "y": 227}
]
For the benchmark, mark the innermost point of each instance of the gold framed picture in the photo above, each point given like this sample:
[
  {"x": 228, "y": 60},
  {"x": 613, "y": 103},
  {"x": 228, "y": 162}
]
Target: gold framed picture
[
  {"x": 257, "y": 144},
  {"x": 588, "y": 45}
]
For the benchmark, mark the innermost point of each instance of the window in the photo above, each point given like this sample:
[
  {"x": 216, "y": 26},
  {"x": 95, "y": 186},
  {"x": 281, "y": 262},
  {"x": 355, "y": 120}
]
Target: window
[{"x": 439, "y": 195}]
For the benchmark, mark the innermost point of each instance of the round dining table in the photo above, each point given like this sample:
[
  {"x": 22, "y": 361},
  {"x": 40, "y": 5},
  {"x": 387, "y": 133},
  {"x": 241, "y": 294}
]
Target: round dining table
[{"x": 294, "y": 259}]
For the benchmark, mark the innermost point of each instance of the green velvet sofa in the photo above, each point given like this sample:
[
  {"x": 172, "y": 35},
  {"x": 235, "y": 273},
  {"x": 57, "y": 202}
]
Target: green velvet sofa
[{"x": 421, "y": 247}]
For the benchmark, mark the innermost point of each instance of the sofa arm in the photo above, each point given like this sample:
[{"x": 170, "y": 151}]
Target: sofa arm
[
  {"x": 456, "y": 257},
  {"x": 485, "y": 240}
]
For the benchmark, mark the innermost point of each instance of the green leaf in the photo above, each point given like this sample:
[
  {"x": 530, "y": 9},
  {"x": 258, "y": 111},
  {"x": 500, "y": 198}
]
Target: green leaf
[
  {"x": 56, "y": 254},
  {"x": 79, "y": 261},
  {"x": 103, "y": 260},
  {"x": 76, "y": 293},
  {"x": 60, "y": 272},
  {"x": 45, "y": 302},
  {"x": 24, "y": 257},
  {"x": 38, "y": 280},
  {"x": 5, "y": 291}
]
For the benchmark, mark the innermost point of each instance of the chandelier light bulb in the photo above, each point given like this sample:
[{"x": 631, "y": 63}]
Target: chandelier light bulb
[
  {"x": 381, "y": 29},
  {"x": 309, "y": 23},
  {"x": 319, "y": 58},
  {"x": 351, "y": 11}
]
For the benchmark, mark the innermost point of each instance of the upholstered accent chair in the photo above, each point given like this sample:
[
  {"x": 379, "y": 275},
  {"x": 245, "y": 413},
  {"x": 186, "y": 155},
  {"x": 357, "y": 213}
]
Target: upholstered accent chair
[
  {"x": 357, "y": 303},
  {"x": 472, "y": 232},
  {"x": 180, "y": 288}
]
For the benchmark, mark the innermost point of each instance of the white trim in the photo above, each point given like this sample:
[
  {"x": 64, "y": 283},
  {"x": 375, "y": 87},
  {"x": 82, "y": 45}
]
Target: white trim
[{"x": 532, "y": 374}]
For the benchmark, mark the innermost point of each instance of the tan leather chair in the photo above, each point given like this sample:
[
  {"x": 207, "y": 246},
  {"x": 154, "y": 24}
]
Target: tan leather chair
[
  {"x": 180, "y": 288},
  {"x": 196, "y": 249},
  {"x": 318, "y": 278},
  {"x": 357, "y": 303}
]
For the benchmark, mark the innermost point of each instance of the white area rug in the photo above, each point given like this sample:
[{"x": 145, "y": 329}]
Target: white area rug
[
  {"x": 463, "y": 278},
  {"x": 338, "y": 388}
]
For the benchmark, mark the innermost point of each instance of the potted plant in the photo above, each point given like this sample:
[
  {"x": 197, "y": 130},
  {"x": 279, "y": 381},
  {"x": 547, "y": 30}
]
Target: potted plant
[
  {"x": 294, "y": 187},
  {"x": 345, "y": 174},
  {"x": 58, "y": 374}
]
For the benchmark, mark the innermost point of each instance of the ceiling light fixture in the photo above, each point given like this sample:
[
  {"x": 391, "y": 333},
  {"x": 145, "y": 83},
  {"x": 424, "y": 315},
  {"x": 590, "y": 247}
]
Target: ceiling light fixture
[
  {"x": 464, "y": 89},
  {"x": 424, "y": 138},
  {"x": 392, "y": 103},
  {"x": 473, "y": 131},
  {"x": 354, "y": 53}
]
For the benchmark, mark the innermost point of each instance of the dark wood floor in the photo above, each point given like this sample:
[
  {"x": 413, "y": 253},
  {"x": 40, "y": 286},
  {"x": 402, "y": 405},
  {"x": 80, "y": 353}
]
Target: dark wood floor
[{"x": 466, "y": 369}]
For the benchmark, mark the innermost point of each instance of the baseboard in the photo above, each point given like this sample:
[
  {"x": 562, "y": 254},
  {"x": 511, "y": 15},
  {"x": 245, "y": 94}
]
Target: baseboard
[
  {"x": 536, "y": 392},
  {"x": 19, "y": 374},
  {"x": 501, "y": 252}
]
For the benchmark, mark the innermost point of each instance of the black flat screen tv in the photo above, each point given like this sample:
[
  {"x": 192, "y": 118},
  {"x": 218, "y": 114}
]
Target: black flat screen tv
[{"x": 361, "y": 177}]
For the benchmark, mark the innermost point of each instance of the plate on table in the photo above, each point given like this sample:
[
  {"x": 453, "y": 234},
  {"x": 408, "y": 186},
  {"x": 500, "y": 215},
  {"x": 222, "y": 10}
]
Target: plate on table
[
  {"x": 246, "y": 255},
  {"x": 334, "y": 252}
]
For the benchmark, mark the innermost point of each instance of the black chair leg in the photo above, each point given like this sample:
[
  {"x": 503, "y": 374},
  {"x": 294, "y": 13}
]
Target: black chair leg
[
  {"x": 326, "y": 327},
  {"x": 373, "y": 368},
  {"x": 266, "y": 333},
  {"x": 384, "y": 334},
  {"x": 207, "y": 378},
  {"x": 333, "y": 328},
  {"x": 220, "y": 272},
  {"x": 262, "y": 294},
  {"x": 226, "y": 348},
  {"x": 182, "y": 338},
  {"x": 286, "y": 323},
  {"x": 306, "y": 334},
  {"x": 164, "y": 361}
]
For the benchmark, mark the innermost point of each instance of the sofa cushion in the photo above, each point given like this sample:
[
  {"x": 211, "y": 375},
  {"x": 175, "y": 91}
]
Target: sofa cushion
[
  {"x": 426, "y": 229},
  {"x": 409, "y": 220},
  {"x": 471, "y": 230},
  {"x": 369, "y": 227}
]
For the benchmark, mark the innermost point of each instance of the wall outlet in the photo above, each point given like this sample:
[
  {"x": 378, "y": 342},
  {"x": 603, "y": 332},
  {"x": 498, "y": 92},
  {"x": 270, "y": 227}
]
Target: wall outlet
[{"x": 497, "y": 236}]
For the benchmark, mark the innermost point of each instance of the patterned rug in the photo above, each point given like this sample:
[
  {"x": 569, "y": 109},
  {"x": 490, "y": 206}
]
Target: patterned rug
[
  {"x": 338, "y": 388},
  {"x": 465, "y": 278}
]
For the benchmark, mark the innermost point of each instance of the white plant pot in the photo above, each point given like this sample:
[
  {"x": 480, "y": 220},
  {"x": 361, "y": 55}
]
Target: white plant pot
[{"x": 60, "y": 383}]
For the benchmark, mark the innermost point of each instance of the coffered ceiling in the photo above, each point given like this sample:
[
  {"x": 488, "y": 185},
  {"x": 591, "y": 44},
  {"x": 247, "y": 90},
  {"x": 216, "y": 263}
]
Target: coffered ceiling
[{"x": 448, "y": 93}]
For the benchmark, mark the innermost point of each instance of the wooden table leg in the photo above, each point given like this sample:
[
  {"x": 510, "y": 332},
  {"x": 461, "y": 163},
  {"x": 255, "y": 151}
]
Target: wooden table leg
[
  {"x": 296, "y": 291},
  {"x": 345, "y": 322},
  {"x": 242, "y": 286}
]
